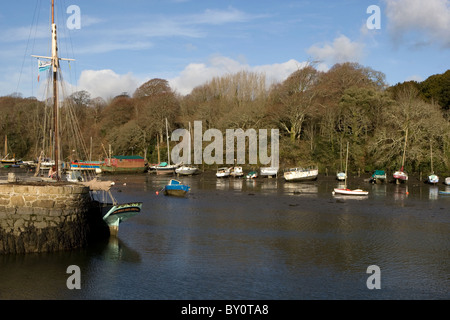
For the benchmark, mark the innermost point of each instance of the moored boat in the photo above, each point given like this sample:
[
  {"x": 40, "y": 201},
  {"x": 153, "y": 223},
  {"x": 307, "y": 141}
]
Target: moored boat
[
  {"x": 301, "y": 174},
  {"x": 252, "y": 175},
  {"x": 165, "y": 168},
  {"x": 119, "y": 213},
  {"x": 223, "y": 172},
  {"x": 81, "y": 165},
  {"x": 400, "y": 176},
  {"x": 341, "y": 176},
  {"x": 6, "y": 161},
  {"x": 176, "y": 188},
  {"x": 354, "y": 192},
  {"x": 378, "y": 176},
  {"x": 433, "y": 179},
  {"x": 184, "y": 170},
  {"x": 236, "y": 172},
  {"x": 124, "y": 164},
  {"x": 269, "y": 171},
  {"x": 346, "y": 191},
  {"x": 113, "y": 213}
]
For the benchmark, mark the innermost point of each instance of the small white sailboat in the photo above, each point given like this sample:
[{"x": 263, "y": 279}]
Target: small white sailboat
[
  {"x": 165, "y": 167},
  {"x": 354, "y": 192},
  {"x": 345, "y": 190},
  {"x": 187, "y": 169},
  {"x": 236, "y": 172},
  {"x": 432, "y": 178},
  {"x": 341, "y": 176},
  {"x": 223, "y": 172},
  {"x": 401, "y": 175},
  {"x": 301, "y": 174}
]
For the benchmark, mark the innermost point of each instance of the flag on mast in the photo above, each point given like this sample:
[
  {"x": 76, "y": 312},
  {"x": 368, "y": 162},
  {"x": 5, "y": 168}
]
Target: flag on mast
[{"x": 43, "y": 66}]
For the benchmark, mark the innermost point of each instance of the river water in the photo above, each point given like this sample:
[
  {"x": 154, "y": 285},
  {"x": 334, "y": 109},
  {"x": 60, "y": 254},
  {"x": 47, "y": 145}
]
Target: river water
[{"x": 234, "y": 239}]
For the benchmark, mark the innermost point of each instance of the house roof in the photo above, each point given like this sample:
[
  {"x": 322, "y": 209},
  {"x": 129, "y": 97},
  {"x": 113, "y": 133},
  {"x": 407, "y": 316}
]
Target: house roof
[{"x": 128, "y": 157}]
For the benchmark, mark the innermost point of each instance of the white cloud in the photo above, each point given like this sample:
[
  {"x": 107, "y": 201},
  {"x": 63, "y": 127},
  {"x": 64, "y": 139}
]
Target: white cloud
[
  {"x": 215, "y": 17},
  {"x": 431, "y": 19},
  {"x": 341, "y": 50},
  {"x": 196, "y": 74},
  {"x": 109, "y": 46},
  {"x": 414, "y": 78},
  {"x": 106, "y": 83}
]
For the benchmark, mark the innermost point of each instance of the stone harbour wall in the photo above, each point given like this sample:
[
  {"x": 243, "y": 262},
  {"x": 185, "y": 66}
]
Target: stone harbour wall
[{"x": 47, "y": 217}]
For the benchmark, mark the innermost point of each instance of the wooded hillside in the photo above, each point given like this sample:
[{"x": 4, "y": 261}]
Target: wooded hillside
[{"x": 316, "y": 113}]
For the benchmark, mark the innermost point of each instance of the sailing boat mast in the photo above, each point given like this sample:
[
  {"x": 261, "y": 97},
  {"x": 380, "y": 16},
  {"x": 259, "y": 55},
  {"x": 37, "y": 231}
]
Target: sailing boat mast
[
  {"x": 431, "y": 149},
  {"x": 168, "y": 146},
  {"x": 6, "y": 146},
  {"x": 346, "y": 165},
  {"x": 55, "y": 66},
  {"x": 404, "y": 149}
]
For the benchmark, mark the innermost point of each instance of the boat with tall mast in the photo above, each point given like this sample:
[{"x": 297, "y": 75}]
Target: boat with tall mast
[
  {"x": 432, "y": 178},
  {"x": 401, "y": 175},
  {"x": 166, "y": 167},
  {"x": 187, "y": 169},
  {"x": 55, "y": 69},
  {"x": 6, "y": 161},
  {"x": 113, "y": 213},
  {"x": 345, "y": 190}
]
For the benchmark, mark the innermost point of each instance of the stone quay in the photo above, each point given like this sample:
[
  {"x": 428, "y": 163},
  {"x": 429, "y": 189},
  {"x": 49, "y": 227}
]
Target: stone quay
[{"x": 47, "y": 216}]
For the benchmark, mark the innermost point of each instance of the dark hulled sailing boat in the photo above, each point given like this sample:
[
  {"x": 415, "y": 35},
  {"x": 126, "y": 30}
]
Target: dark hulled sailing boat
[{"x": 114, "y": 213}]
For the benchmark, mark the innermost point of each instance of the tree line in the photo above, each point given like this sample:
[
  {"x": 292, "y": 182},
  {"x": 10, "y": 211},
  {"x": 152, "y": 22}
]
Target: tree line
[{"x": 316, "y": 113}]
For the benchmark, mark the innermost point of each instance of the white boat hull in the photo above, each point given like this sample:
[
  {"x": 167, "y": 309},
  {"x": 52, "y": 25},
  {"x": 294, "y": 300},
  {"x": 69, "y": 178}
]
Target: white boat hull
[
  {"x": 269, "y": 171},
  {"x": 165, "y": 170},
  {"x": 433, "y": 179},
  {"x": 223, "y": 173},
  {"x": 341, "y": 176},
  {"x": 401, "y": 176},
  {"x": 301, "y": 175},
  {"x": 356, "y": 192},
  {"x": 186, "y": 171}
]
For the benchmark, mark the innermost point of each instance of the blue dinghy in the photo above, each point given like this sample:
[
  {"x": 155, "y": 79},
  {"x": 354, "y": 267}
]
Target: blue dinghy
[{"x": 176, "y": 188}]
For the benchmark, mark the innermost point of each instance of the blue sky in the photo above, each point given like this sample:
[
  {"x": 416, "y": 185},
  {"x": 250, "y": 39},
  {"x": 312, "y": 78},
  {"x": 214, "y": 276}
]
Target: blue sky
[{"x": 122, "y": 44}]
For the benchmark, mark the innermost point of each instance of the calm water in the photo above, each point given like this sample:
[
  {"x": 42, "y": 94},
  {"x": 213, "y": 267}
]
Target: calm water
[{"x": 254, "y": 240}]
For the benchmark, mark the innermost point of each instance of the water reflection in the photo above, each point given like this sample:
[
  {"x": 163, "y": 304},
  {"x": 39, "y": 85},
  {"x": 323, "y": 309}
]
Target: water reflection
[
  {"x": 433, "y": 193},
  {"x": 44, "y": 275},
  {"x": 400, "y": 192},
  {"x": 301, "y": 188},
  {"x": 253, "y": 239}
]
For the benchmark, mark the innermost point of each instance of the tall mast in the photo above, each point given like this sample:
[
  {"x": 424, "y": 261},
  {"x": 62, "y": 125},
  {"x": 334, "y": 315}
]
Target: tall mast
[
  {"x": 404, "y": 149},
  {"x": 168, "y": 146},
  {"x": 431, "y": 149},
  {"x": 55, "y": 66},
  {"x": 346, "y": 165}
]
